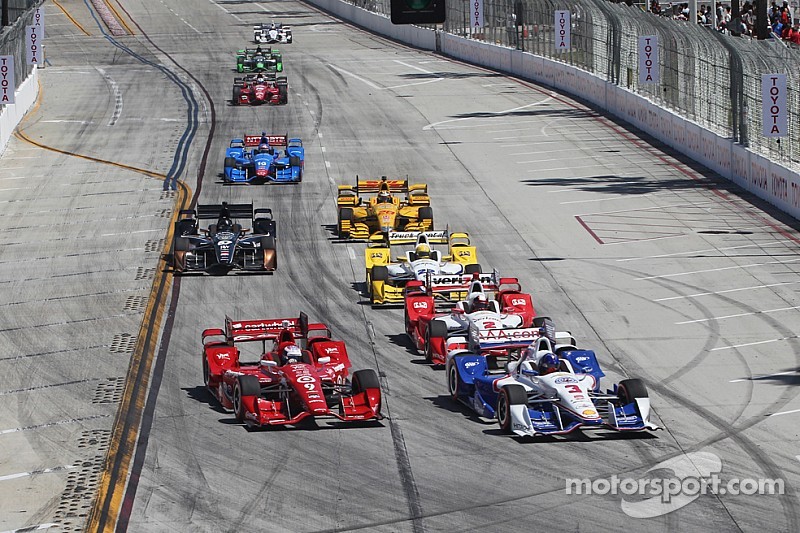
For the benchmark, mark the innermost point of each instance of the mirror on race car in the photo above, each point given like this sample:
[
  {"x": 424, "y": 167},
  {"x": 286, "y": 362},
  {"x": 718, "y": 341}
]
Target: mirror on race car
[
  {"x": 324, "y": 360},
  {"x": 268, "y": 362}
]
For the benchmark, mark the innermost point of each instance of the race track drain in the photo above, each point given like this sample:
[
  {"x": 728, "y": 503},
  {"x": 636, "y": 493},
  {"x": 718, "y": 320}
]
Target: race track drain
[
  {"x": 109, "y": 391},
  {"x": 77, "y": 498},
  {"x": 134, "y": 303},
  {"x": 167, "y": 195},
  {"x": 154, "y": 245},
  {"x": 165, "y": 213},
  {"x": 123, "y": 343},
  {"x": 144, "y": 273}
]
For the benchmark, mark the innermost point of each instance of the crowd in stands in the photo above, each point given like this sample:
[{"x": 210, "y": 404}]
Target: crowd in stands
[{"x": 783, "y": 25}]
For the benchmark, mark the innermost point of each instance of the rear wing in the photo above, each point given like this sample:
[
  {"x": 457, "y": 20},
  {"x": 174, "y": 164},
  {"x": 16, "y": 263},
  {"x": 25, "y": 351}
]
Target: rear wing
[
  {"x": 511, "y": 338},
  {"x": 462, "y": 282},
  {"x": 269, "y": 329},
  {"x": 373, "y": 186},
  {"x": 273, "y": 140},
  {"x": 410, "y": 237},
  {"x": 213, "y": 211}
]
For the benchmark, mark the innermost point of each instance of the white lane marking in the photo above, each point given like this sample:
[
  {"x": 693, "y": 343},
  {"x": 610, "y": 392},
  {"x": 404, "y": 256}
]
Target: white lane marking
[
  {"x": 698, "y": 294},
  {"x": 647, "y": 195},
  {"x": 785, "y": 412},
  {"x": 746, "y": 344},
  {"x": 498, "y": 113},
  {"x": 117, "y": 96},
  {"x": 234, "y": 15},
  {"x": 561, "y": 168},
  {"x": 702, "y": 251},
  {"x": 351, "y": 252},
  {"x": 21, "y": 177},
  {"x": 312, "y": 111},
  {"x": 678, "y": 274},
  {"x": 557, "y": 159},
  {"x": 543, "y": 152},
  {"x": 413, "y": 66},
  {"x": 130, "y": 232},
  {"x": 65, "y": 121},
  {"x": 51, "y": 424},
  {"x": 767, "y": 376},
  {"x": 644, "y": 240},
  {"x": 264, "y": 8},
  {"x": 168, "y": 119},
  {"x": 327, "y": 164},
  {"x": 331, "y": 180},
  {"x": 34, "y": 472},
  {"x": 40, "y": 527},
  {"x": 738, "y": 315},
  {"x": 356, "y": 76},
  {"x": 319, "y": 134},
  {"x": 180, "y": 17},
  {"x": 323, "y": 149},
  {"x": 413, "y": 84}
]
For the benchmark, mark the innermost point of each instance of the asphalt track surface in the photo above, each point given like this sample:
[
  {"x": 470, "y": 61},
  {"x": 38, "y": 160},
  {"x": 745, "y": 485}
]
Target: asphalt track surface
[{"x": 670, "y": 274}]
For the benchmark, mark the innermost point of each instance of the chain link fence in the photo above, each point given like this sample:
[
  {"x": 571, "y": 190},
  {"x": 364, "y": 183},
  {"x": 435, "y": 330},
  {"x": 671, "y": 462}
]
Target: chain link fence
[{"x": 708, "y": 77}]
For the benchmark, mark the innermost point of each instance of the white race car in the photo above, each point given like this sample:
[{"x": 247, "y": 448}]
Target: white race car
[
  {"x": 272, "y": 33},
  {"x": 546, "y": 393}
]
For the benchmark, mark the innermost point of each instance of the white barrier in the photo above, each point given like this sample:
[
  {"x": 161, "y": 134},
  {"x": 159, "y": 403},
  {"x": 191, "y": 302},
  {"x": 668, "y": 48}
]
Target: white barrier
[
  {"x": 12, "y": 114},
  {"x": 771, "y": 181}
]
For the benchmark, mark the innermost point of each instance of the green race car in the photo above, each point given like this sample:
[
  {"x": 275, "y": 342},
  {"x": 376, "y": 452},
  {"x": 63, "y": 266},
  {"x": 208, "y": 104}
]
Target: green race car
[{"x": 259, "y": 60}]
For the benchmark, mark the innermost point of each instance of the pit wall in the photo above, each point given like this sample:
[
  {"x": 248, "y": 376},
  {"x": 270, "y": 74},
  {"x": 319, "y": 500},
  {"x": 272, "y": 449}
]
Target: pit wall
[
  {"x": 770, "y": 181},
  {"x": 12, "y": 114}
]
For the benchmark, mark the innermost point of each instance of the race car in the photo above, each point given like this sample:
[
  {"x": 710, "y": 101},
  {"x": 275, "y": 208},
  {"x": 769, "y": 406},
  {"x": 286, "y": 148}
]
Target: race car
[
  {"x": 225, "y": 245},
  {"x": 274, "y": 32},
  {"x": 548, "y": 390},
  {"x": 259, "y": 60},
  {"x": 296, "y": 371},
  {"x": 255, "y": 159},
  {"x": 388, "y": 274},
  {"x": 492, "y": 303},
  {"x": 257, "y": 89},
  {"x": 385, "y": 212}
]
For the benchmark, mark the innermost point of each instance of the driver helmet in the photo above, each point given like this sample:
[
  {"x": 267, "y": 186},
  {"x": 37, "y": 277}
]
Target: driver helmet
[
  {"x": 263, "y": 148},
  {"x": 423, "y": 251},
  {"x": 292, "y": 354},
  {"x": 384, "y": 196},
  {"x": 480, "y": 303},
  {"x": 224, "y": 223},
  {"x": 548, "y": 364}
]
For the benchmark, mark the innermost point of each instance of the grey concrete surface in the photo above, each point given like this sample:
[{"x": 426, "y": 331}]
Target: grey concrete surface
[{"x": 668, "y": 274}]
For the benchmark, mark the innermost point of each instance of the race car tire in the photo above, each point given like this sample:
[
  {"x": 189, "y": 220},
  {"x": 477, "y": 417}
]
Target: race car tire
[
  {"x": 630, "y": 389},
  {"x": 474, "y": 268},
  {"x": 244, "y": 386},
  {"x": 186, "y": 226},
  {"x": 345, "y": 213},
  {"x": 206, "y": 372},
  {"x": 509, "y": 395},
  {"x": 426, "y": 213},
  {"x": 365, "y": 379},
  {"x": 230, "y": 162},
  {"x": 237, "y": 91},
  {"x": 283, "y": 94},
  {"x": 453, "y": 381},
  {"x": 182, "y": 244},
  {"x": 380, "y": 273},
  {"x": 268, "y": 242},
  {"x": 264, "y": 226},
  {"x": 436, "y": 329},
  {"x": 295, "y": 161}
]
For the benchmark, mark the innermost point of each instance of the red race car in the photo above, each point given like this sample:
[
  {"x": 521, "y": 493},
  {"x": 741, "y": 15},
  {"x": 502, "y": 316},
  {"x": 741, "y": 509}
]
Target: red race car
[
  {"x": 303, "y": 374},
  {"x": 491, "y": 304},
  {"x": 257, "y": 89}
]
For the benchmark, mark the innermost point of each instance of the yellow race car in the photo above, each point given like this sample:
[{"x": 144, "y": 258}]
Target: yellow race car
[
  {"x": 446, "y": 273},
  {"x": 385, "y": 212}
]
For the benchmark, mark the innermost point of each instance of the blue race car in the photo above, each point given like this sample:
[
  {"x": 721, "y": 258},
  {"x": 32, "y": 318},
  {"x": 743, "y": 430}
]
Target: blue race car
[
  {"x": 542, "y": 389},
  {"x": 255, "y": 159}
]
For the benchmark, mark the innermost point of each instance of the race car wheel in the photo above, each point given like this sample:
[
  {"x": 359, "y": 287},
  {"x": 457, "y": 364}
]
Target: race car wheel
[
  {"x": 295, "y": 161},
  {"x": 268, "y": 243},
  {"x": 182, "y": 244},
  {"x": 264, "y": 226},
  {"x": 365, "y": 379},
  {"x": 473, "y": 269},
  {"x": 426, "y": 213},
  {"x": 436, "y": 330},
  {"x": 206, "y": 372},
  {"x": 630, "y": 389},
  {"x": 244, "y": 386},
  {"x": 283, "y": 94},
  {"x": 452, "y": 381},
  {"x": 345, "y": 214},
  {"x": 237, "y": 91},
  {"x": 380, "y": 273},
  {"x": 509, "y": 395}
]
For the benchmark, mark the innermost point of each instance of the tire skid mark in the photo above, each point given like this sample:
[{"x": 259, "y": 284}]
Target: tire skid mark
[
  {"x": 52, "y": 424},
  {"x": 117, "y": 96},
  {"x": 48, "y": 386},
  {"x": 73, "y": 296},
  {"x": 55, "y": 352}
]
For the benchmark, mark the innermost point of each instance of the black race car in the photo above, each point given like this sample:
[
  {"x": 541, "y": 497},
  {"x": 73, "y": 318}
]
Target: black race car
[{"x": 225, "y": 245}]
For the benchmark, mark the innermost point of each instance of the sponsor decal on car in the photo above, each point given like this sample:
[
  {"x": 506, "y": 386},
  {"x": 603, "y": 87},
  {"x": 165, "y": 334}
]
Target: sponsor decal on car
[
  {"x": 565, "y": 379},
  {"x": 589, "y": 412},
  {"x": 420, "y": 305}
]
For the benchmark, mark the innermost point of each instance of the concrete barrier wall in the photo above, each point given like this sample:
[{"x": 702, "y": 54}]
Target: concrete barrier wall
[
  {"x": 12, "y": 114},
  {"x": 770, "y": 181}
]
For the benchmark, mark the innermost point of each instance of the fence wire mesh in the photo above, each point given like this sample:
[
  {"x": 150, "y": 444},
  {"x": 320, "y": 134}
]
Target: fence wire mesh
[{"x": 711, "y": 78}]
